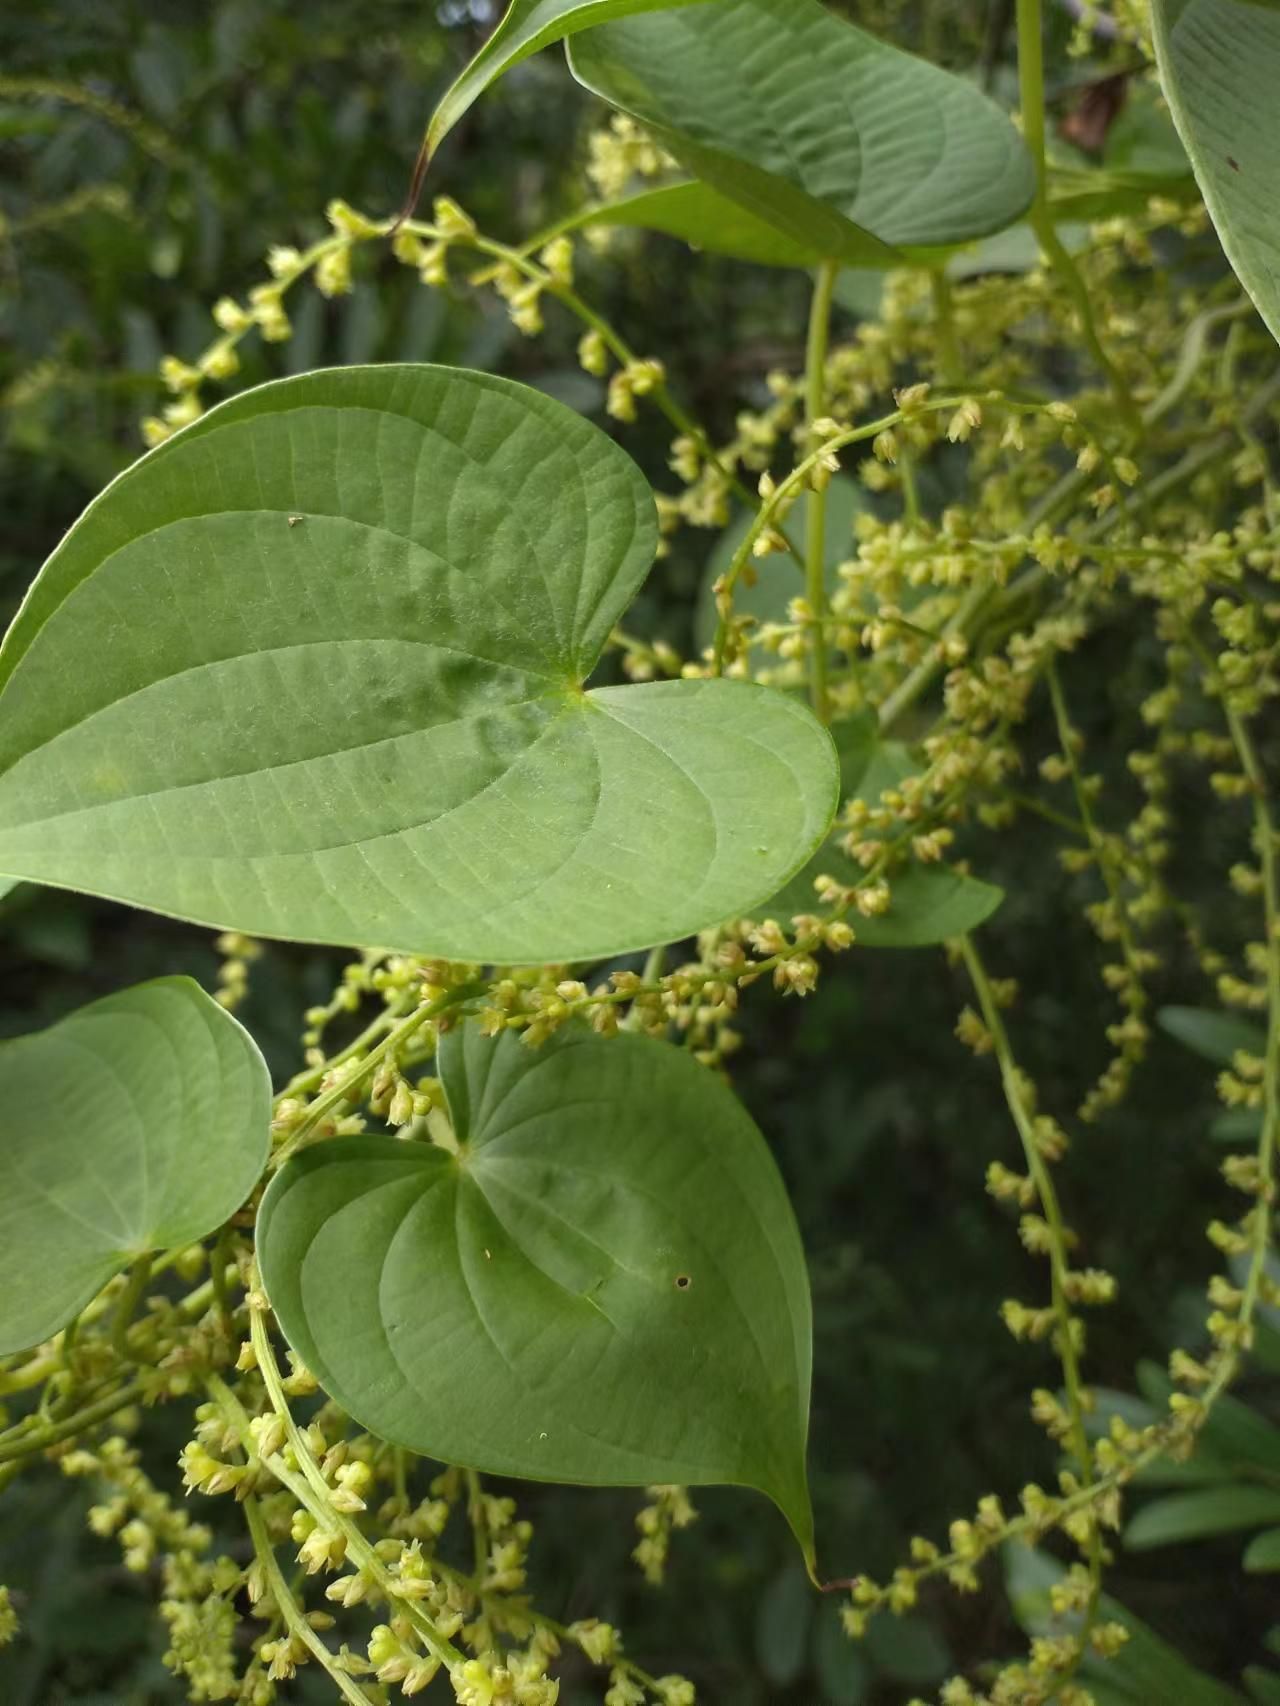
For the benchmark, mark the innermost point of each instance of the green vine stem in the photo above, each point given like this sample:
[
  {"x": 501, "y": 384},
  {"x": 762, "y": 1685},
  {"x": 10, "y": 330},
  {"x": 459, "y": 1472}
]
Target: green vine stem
[
  {"x": 139, "y": 1278},
  {"x": 359, "y": 1550},
  {"x": 815, "y": 554},
  {"x": 1066, "y": 1337},
  {"x": 1030, "y": 26},
  {"x": 291, "y": 1612}
]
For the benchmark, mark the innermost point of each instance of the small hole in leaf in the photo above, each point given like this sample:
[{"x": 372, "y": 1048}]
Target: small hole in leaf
[{"x": 683, "y": 1282}]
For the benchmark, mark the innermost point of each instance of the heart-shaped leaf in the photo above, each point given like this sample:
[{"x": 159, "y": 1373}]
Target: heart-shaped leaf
[
  {"x": 1220, "y": 66},
  {"x": 314, "y": 669},
  {"x": 853, "y": 149},
  {"x": 139, "y": 1123},
  {"x": 604, "y": 1284},
  {"x": 526, "y": 26},
  {"x": 929, "y": 903}
]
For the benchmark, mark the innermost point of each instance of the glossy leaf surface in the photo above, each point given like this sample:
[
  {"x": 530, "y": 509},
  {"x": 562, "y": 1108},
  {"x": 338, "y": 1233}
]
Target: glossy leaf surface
[
  {"x": 314, "y": 669},
  {"x": 850, "y": 147},
  {"x": 605, "y": 1285},
  {"x": 1220, "y": 66},
  {"x": 139, "y": 1123}
]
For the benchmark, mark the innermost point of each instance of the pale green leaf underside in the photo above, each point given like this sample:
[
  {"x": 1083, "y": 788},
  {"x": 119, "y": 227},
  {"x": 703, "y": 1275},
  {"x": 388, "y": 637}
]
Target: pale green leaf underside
[
  {"x": 1220, "y": 66},
  {"x": 313, "y": 670},
  {"x": 520, "y": 1310},
  {"x": 139, "y": 1123},
  {"x": 526, "y": 26},
  {"x": 851, "y": 148},
  {"x": 703, "y": 218}
]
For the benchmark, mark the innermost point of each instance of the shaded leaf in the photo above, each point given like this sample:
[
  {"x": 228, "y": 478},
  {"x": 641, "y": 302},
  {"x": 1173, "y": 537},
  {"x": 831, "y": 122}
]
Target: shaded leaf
[
  {"x": 139, "y": 1123},
  {"x": 843, "y": 1673},
  {"x": 1205, "y": 1511},
  {"x": 929, "y": 903},
  {"x": 1220, "y": 67},
  {"x": 782, "y": 1625},
  {"x": 314, "y": 669},
  {"x": 779, "y": 578},
  {"x": 1237, "y": 1125},
  {"x": 605, "y": 1284},
  {"x": 1263, "y": 1551},
  {"x": 1015, "y": 250},
  {"x": 1215, "y": 1036},
  {"x": 1145, "y": 1670},
  {"x": 850, "y": 147},
  {"x": 525, "y": 27},
  {"x": 1233, "y": 1430}
]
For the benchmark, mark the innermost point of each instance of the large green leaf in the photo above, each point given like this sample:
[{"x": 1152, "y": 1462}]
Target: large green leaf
[
  {"x": 314, "y": 669},
  {"x": 139, "y": 1123},
  {"x": 1263, "y": 1551},
  {"x": 604, "y": 1285},
  {"x": 526, "y": 26},
  {"x": 929, "y": 903},
  {"x": 850, "y": 147},
  {"x": 1220, "y": 65}
]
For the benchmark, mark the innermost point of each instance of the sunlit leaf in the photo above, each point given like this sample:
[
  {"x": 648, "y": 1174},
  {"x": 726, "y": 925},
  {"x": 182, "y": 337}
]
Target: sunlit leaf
[
  {"x": 604, "y": 1284},
  {"x": 315, "y": 669},
  {"x": 703, "y": 218},
  {"x": 138, "y": 1124},
  {"x": 850, "y": 147}
]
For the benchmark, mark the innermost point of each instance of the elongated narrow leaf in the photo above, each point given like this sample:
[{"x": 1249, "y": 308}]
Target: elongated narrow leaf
[
  {"x": 850, "y": 147},
  {"x": 1205, "y": 1511},
  {"x": 929, "y": 903},
  {"x": 1220, "y": 66},
  {"x": 1234, "y": 1430},
  {"x": 1213, "y": 1035},
  {"x": 139, "y": 1123},
  {"x": 526, "y": 26},
  {"x": 315, "y": 669},
  {"x": 604, "y": 1285},
  {"x": 1146, "y": 1670}
]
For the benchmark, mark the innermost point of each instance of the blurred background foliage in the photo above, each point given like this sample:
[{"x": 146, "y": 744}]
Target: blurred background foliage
[{"x": 149, "y": 155}]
